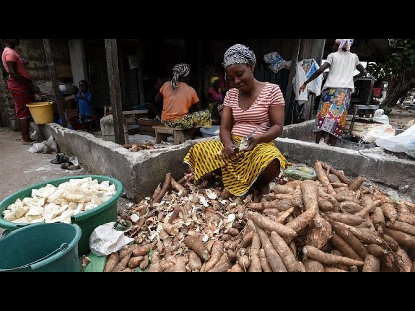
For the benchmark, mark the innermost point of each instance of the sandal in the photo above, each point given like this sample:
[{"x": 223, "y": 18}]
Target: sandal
[
  {"x": 60, "y": 158},
  {"x": 66, "y": 165},
  {"x": 57, "y": 160},
  {"x": 28, "y": 142},
  {"x": 74, "y": 167}
]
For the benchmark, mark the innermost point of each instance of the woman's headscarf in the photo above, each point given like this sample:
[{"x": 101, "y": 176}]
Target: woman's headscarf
[
  {"x": 238, "y": 54},
  {"x": 213, "y": 80},
  {"x": 344, "y": 43},
  {"x": 180, "y": 70}
]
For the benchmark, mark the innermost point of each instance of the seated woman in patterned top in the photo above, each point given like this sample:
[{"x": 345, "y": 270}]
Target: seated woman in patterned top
[
  {"x": 179, "y": 99},
  {"x": 248, "y": 105}
]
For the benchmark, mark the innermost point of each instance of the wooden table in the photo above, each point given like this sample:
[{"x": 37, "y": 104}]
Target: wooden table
[{"x": 135, "y": 114}]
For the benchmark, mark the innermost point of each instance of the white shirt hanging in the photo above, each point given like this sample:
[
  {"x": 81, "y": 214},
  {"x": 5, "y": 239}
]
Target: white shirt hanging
[{"x": 305, "y": 70}]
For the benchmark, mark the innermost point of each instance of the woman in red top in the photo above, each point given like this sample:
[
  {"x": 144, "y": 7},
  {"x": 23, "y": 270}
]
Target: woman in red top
[
  {"x": 249, "y": 105},
  {"x": 215, "y": 97},
  {"x": 20, "y": 86}
]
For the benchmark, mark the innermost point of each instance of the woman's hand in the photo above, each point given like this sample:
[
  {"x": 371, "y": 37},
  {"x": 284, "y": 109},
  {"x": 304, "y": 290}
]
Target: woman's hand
[
  {"x": 302, "y": 88},
  {"x": 228, "y": 151},
  {"x": 253, "y": 142}
]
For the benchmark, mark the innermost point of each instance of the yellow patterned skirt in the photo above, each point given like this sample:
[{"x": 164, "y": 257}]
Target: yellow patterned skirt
[
  {"x": 239, "y": 172},
  {"x": 191, "y": 120}
]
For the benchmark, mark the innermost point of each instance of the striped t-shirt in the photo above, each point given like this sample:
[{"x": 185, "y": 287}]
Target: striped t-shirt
[{"x": 257, "y": 114}]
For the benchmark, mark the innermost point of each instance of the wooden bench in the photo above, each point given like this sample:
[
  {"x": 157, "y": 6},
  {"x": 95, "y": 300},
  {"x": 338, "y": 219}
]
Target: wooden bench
[
  {"x": 146, "y": 126},
  {"x": 162, "y": 132},
  {"x": 132, "y": 116}
]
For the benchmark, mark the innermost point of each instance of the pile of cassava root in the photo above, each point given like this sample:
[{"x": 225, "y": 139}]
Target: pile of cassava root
[
  {"x": 139, "y": 147},
  {"x": 333, "y": 224}
]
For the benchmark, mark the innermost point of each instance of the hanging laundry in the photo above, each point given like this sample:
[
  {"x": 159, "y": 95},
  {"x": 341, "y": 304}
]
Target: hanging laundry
[
  {"x": 305, "y": 70},
  {"x": 276, "y": 62}
]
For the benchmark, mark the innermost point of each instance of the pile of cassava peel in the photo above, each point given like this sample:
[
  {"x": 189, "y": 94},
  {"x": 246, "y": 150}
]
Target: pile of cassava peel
[{"x": 332, "y": 224}]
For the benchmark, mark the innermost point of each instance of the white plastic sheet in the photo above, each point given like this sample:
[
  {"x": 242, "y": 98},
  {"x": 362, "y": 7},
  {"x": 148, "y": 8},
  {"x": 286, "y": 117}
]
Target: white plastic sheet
[
  {"x": 404, "y": 142},
  {"x": 105, "y": 240}
]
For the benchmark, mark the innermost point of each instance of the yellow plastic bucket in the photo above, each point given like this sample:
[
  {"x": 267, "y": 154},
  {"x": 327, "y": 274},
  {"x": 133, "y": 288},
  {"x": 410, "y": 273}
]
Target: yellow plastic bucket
[{"x": 42, "y": 112}]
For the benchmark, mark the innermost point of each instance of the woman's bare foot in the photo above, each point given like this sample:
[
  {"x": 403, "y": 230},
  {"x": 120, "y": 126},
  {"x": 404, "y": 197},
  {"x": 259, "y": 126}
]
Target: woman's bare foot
[
  {"x": 264, "y": 190},
  {"x": 259, "y": 193}
]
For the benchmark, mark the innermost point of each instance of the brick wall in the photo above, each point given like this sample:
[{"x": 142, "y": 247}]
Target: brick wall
[{"x": 32, "y": 51}]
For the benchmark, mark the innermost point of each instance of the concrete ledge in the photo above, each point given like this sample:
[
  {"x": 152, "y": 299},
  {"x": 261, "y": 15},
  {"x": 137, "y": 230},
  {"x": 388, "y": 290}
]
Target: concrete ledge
[
  {"x": 98, "y": 156},
  {"x": 139, "y": 172},
  {"x": 300, "y": 131},
  {"x": 373, "y": 164}
]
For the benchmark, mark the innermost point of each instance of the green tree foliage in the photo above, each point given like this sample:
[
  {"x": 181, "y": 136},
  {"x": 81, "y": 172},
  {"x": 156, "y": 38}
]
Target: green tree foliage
[{"x": 398, "y": 70}]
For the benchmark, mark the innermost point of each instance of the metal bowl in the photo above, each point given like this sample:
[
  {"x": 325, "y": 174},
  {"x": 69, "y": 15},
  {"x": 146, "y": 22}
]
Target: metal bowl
[{"x": 67, "y": 88}]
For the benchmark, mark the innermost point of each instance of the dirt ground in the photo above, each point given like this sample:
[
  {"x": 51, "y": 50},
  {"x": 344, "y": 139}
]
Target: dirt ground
[
  {"x": 21, "y": 169},
  {"x": 400, "y": 117}
]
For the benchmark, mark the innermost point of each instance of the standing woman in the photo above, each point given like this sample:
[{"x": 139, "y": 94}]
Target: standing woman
[
  {"x": 248, "y": 105},
  {"x": 335, "y": 98},
  {"x": 20, "y": 86}
]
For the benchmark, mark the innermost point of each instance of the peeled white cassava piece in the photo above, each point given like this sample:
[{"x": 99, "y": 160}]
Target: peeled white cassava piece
[{"x": 57, "y": 204}]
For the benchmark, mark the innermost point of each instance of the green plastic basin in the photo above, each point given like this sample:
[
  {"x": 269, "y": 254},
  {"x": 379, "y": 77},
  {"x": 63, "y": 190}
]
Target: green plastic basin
[
  {"x": 41, "y": 247},
  {"x": 87, "y": 221}
]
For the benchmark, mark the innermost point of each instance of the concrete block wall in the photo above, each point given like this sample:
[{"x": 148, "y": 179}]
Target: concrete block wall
[
  {"x": 151, "y": 170},
  {"x": 373, "y": 164},
  {"x": 139, "y": 172},
  {"x": 32, "y": 50},
  {"x": 96, "y": 155},
  {"x": 7, "y": 114},
  {"x": 300, "y": 131}
]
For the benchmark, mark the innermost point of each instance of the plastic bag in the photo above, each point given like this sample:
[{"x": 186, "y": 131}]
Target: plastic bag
[
  {"x": 51, "y": 145},
  {"x": 74, "y": 160},
  {"x": 301, "y": 172},
  {"x": 35, "y": 136},
  {"x": 105, "y": 240},
  {"x": 275, "y": 60},
  {"x": 382, "y": 119},
  {"x": 46, "y": 146},
  {"x": 383, "y": 130},
  {"x": 378, "y": 113},
  {"x": 404, "y": 142},
  {"x": 379, "y": 116},
  {"x": 36, "y": 147}
]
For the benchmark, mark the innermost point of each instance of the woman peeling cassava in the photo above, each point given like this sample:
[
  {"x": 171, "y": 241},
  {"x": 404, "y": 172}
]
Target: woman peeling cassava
[{"x": 249, "y": 105}]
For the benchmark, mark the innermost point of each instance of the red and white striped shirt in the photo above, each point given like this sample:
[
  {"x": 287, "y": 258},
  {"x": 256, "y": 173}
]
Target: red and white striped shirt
[{"x": 257, "y": 114}]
